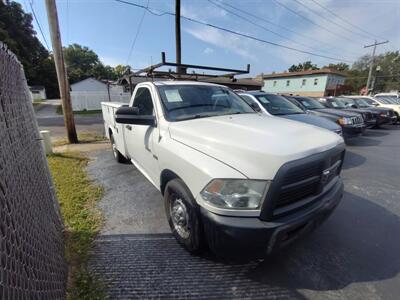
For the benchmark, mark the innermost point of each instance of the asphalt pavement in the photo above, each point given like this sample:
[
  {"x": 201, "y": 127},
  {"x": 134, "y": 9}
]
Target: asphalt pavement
[
  {"x": 353, "y": 255},
  {"x": 49, "y": 119}
]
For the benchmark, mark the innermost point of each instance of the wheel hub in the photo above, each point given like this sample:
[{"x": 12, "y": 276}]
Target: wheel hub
[{"x": 180, "y": 218}]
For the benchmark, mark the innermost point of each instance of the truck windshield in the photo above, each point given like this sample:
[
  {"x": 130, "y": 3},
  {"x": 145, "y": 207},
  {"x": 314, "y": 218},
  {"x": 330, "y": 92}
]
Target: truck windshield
[
  {"x": 278, "y": 105},
  {"x": 310, "y": 103},
  {"x": 184, "y": 102}
]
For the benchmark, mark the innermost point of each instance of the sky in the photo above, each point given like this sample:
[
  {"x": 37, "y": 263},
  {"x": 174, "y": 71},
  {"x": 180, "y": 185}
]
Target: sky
[{"x": 109, "y": 28}]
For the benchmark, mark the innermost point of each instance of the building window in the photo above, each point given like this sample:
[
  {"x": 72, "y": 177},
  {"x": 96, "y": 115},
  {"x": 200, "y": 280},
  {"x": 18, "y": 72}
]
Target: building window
[
  {"x": 316, "y": 81},
  {"x": 303, "y": 82},
  {"x": 287, "y": 82}
]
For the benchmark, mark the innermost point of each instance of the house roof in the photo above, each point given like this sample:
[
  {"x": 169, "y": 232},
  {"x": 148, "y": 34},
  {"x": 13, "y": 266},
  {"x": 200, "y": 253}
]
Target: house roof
[
  {"x": 302, "y": 73},
  {"x": 89, "y": 78}
]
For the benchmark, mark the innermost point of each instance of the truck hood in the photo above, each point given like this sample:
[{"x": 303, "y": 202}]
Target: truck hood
[
  {"x": 336, "y": 112},
  {"x": 253, "y": 144}
]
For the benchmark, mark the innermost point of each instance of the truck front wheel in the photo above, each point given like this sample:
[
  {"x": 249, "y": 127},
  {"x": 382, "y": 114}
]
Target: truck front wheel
[{"x": 183, "y": 216}]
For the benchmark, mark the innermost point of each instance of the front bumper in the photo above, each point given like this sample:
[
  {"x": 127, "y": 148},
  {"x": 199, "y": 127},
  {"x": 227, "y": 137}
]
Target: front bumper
[
  {"x": 252, "y": 237},
  {"x": 353, "y": 130}
]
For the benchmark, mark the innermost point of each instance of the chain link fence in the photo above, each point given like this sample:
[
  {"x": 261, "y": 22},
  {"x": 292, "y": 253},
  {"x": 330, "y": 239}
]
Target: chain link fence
[{"x": 32, "y": 263}]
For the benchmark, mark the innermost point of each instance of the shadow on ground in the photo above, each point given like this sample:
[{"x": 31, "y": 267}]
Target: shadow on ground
[
  {"x": 352, "y": 160},
  {"x": 363, "y": 141},
  {"x": 359, "y": 243}
]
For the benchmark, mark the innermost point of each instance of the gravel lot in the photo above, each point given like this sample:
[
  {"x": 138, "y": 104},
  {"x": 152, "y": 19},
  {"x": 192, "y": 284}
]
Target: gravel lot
[{"x": 354, "y": 255}]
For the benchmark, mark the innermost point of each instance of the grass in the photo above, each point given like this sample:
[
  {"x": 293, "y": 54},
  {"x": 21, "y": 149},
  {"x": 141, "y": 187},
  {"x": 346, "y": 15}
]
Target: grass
[
  {"x": 82, "y": 137},
  {"x": 38, "y": 101},
  {"x": 59, "y": 111},
  {"x": 78, "y": 196}
]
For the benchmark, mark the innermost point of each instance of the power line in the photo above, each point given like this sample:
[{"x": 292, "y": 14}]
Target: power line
[
  {"x": 258, "y": 25},
  {"x": 312, "y": 22},
  {"x": 331, "y": 21},
  {"x": 40, "y": 27},
  {"x": 137, "y": 33},
  {"x": 344, "y": 20},
  {"x": 240, "y": 34}
]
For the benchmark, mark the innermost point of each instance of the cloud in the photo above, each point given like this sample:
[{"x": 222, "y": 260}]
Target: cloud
[
  {"x": 223, "y": 40},
  {"x": 208, "y": 50}
]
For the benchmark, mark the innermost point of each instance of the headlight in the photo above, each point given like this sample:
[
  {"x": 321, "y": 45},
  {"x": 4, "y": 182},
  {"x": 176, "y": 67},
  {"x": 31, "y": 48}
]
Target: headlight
[
  {"x": 339, "y": 131},
  {"x": 235, "y": 193},
  {"x": 345, "y": 121}
]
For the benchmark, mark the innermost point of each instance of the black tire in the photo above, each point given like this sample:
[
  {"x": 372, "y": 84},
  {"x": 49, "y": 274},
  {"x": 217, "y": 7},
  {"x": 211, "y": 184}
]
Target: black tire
[
  {"x": 190, "y": 233},
  {"x": 117, "y": 155}
]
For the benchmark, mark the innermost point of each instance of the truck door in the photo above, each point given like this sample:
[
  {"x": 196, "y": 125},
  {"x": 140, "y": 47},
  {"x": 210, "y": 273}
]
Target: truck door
[{"x": 139, "y": 138}]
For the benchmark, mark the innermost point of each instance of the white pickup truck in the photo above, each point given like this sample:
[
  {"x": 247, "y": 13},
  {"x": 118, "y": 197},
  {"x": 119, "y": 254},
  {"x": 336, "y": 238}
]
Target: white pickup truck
[{"x": 232, "y": 179}]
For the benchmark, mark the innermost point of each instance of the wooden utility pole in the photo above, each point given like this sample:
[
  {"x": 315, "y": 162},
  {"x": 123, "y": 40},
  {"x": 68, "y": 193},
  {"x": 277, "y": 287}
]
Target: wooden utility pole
[
  {"x": 61, "y": 70},
  {"x": 178, "y": 34},
  {"x": 371, "y": 65}
]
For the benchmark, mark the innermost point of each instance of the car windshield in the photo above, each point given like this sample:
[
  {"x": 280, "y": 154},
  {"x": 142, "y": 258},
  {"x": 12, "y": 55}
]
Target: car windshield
[
  {"x": 362, "y": 102},
  {"x": 278, "y": 105},
  {"x": 385, "y": 99},
  {"x": 186, "y": 101},
  {"x": 337, "y": 103},
  {"x": 310, "y": 103},
  {"x": 393, "y": 99},
  {"x": 347, "y": 102}
]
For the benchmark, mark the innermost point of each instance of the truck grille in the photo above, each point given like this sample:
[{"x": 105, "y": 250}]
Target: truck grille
[{"x": 301, "y": 184}]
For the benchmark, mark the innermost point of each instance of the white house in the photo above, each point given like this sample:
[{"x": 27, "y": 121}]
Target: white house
[
  {"x": 38, "y": 92},
  {"x": 90, "y": 92}
]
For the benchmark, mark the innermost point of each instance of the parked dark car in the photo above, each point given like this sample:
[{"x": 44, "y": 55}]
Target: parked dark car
[
  {"x": 352, "y": 123},
  {"x": 385, "y": 114},
  {"x": 371, "y": 117},
  {"x": 276, "y": 105}
]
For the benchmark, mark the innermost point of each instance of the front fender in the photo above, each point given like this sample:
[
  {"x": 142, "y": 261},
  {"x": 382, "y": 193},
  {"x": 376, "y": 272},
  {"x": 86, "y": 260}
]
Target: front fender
[{"x": 195, "y": 168}]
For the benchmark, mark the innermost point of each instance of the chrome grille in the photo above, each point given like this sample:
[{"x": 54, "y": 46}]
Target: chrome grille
[{"x": 357, "y": 120}]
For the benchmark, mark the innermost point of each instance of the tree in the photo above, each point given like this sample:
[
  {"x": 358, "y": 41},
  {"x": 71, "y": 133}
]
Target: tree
[
  {"x": 341, "y": 67},
  {"x": 308, "y": 65},
  {"x": 16, "y": 30},
  {"x": 120, "y": 70},
  {"x": 386, "y": 79},
  {"x": 83, "y": 62}
]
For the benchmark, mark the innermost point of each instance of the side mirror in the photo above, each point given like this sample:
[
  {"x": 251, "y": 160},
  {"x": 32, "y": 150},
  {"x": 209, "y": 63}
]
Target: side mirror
[
  {"x": 130, "y": 115},
  {"x": 354, "y": 106},
  {"x": 255, "y": 107},
  {"x": 375, "y": 104}
]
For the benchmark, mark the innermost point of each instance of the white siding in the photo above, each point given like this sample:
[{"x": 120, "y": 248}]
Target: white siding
[
  {"x": 82, "y": 100},
  {"x": 89, "y": 85}
]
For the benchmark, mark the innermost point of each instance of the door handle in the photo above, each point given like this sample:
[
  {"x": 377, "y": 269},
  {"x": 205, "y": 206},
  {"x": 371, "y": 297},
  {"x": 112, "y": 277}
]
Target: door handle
[{"x": 129, "y": 127}]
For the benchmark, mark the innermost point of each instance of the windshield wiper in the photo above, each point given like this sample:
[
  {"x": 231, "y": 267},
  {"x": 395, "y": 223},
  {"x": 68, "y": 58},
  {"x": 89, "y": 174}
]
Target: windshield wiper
[{"x": 194, "y": 117}]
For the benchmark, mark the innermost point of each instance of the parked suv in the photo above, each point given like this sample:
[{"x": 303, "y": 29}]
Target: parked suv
[
  {"x": 238, "y": 181},
  {"x": 373, "y": 117},
  {"x": 385, "y": 115},
  {"x": 352, "y": 123},
  {"x": 276, "y": 105},
  {"x": 384, "y": 101}
]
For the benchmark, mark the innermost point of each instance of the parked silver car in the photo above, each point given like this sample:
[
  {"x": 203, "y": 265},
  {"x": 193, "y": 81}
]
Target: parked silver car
[{"x": 276, "y": 105}]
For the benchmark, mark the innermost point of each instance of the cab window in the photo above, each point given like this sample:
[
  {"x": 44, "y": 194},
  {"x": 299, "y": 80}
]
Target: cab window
[{"x": 143, "y": 101}]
